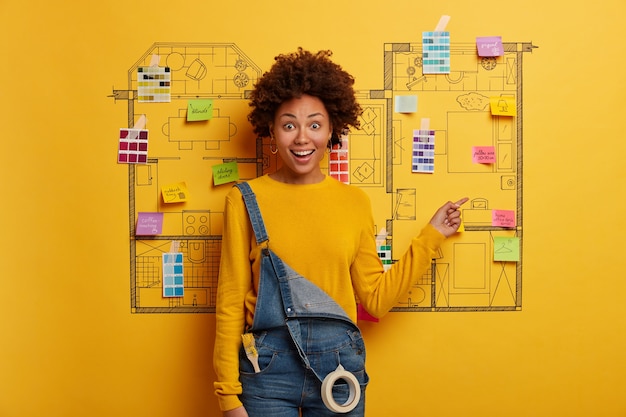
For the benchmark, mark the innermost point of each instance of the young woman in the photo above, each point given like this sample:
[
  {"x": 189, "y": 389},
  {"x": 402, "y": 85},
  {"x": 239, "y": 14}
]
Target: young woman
[{"x": 323, "y": 231}]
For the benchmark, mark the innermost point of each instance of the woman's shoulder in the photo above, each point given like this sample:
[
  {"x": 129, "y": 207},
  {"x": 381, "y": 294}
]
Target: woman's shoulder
[{"x": 348, "y": 191}]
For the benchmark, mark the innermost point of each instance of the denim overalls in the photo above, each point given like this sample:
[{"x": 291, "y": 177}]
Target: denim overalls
[{"x": 301, "y": 335}]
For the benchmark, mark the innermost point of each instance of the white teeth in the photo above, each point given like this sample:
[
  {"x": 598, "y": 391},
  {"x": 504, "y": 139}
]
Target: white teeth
[{"x": 302, "y": 153}]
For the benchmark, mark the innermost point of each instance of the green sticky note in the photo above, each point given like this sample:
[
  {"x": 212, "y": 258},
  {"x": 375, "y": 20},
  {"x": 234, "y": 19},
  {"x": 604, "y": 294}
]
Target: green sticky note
[
  {"x": 506, "y": 249},
  {"x": 199, "y": 109},
  {"x": 224, "y": 173}
]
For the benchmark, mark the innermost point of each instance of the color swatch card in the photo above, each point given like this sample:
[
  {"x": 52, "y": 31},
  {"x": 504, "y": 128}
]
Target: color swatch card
[
  {"x": 173, "y": 278},
  {"x": 153, "y": 84},
  {"x": 384, "y": 253},
  {"x": 436, "y": 52},
  {"x": 338, "y": 162},
  {"x": 133, "y": 146},
  {"x": 423, "y": 151}
]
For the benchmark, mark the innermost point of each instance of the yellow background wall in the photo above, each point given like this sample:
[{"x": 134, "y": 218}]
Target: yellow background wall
[{"x": 69, "y": 344}]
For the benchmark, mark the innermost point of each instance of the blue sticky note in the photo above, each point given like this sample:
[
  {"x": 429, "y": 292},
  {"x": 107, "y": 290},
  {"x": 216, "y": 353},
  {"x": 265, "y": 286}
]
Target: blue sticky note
[{"x": 405, "y": 104}]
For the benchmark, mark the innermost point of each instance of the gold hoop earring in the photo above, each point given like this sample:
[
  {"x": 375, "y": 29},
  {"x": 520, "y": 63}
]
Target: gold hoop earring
[{"x": 274, "y": 150}]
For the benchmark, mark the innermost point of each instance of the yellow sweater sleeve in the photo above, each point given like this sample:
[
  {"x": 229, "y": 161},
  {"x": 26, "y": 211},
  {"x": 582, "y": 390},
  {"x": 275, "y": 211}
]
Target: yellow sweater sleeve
[
  {"x": 234, "y": 284},
  {"x": 379, "y": 291}
]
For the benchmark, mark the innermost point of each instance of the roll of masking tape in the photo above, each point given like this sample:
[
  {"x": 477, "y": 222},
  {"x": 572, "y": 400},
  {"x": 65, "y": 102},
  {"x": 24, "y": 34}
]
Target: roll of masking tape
[{"x": 327, "y": 391}]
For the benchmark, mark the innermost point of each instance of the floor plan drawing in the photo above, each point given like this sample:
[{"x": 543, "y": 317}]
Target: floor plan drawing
[{"x": 465, "y": 276}]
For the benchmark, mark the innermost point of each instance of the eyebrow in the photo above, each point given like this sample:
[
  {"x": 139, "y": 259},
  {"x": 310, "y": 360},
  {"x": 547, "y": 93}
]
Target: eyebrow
[{"x": 318, "y": 114}]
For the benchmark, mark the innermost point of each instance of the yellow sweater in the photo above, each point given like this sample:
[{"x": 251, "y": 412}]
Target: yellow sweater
[{"x": 325, "y": 232}]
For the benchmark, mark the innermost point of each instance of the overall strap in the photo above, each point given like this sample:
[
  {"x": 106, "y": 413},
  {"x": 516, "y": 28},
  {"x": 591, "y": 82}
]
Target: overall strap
[{"x": 253, "y": 212}]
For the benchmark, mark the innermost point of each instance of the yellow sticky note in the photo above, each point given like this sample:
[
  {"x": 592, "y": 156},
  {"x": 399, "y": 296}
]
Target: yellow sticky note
[
  {"x": 200, "y": 109},
  {"x": 175, "y": 193},
  {"x": 227, "y": 172},
  {"x": 503, "y": 106}
]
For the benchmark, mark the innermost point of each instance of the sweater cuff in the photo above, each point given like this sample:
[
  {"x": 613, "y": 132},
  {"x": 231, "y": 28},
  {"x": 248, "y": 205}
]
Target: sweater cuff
[
  {"x": 228, "y": 402},
  {"x": 433, "y": 237}
]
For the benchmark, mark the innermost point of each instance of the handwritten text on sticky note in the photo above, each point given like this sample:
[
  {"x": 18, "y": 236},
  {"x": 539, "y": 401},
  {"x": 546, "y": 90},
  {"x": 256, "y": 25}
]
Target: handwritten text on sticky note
[
  {"x": 175, "y": 193},
  {"x": 483, "y": 154},
  {"x": 149, "y": 224},
  {"x": 227, "y": 172},
  {"x": 489, "y": 46},
  {"x": 503, "y": 218},
  {"x": 200, "y": 109}
]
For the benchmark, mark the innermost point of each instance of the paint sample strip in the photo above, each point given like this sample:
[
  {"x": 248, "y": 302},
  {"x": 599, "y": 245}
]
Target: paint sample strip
[
  {"x": 338, "y": 162},
  {"x": 423, "y": 159},
  {"x": 133, "y": 146},
  {"x": 173, "y": 279},
  {"x": 436, "y": 52},
  {"x": 153, "y": 84}
]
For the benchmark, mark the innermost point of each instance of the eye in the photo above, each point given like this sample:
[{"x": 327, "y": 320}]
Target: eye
[
  {"x": 315, "y": 125},
  {"x": 288, "y": 126}
]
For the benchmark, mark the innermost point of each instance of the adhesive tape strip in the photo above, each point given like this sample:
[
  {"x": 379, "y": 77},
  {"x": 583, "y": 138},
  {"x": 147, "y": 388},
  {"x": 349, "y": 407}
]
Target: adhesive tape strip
[{"x": 327, "y": 391}]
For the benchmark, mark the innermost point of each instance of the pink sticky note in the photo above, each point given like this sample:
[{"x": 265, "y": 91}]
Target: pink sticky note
[
  {"x": 149, "y": 224},
  {"x": 484, "y": 154},
  {"x": 503, "y": 218},
  {"x": 489, "y": 46}
]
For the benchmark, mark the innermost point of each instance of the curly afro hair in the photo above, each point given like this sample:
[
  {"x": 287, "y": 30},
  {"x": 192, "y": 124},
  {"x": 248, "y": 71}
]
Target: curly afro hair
[{"x": 303, "y": 72}]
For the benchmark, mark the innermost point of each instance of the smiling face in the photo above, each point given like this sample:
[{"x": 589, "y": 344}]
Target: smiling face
[{"x": 301, "y": 130}]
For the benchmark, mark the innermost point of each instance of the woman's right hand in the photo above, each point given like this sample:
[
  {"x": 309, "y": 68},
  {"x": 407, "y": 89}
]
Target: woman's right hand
[{"x": 236, "y": 412}]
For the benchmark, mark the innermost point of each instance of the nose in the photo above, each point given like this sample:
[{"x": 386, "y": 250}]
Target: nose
[{"x": 302, "y": 137}]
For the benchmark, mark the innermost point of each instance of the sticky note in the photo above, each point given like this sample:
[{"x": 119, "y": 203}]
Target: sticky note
[
  {"x": 503, "y": 106},
  {"x": 405, "y": 104},
  {"x": 173, "y": 277},
  {"x": 503, "y": 218},
  {"x": 483, "y": 154},
  {"x": 200, "y": 109},
  {"x": 175, "y": 193},
  {"x": 506, "y": 249},
  {"x": 149, "y": 224},
  {"x": 489, "y": 46},
  {"x": 227, "y": 172}
]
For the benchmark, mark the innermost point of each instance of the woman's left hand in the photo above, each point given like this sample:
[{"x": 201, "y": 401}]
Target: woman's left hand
[{"x": 447, "y": 218}]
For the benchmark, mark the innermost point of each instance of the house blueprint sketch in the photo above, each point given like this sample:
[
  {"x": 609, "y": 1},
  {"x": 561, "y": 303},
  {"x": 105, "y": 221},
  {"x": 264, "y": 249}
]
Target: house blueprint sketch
[{"x": 464, "y": 275}]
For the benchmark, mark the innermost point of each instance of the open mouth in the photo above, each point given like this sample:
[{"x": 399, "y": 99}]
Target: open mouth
[{"x": 302, "y": 154}]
